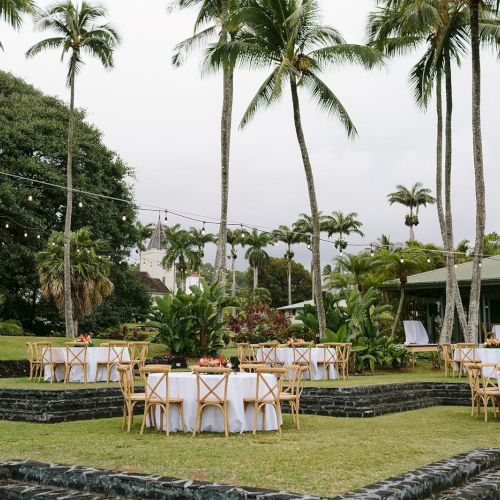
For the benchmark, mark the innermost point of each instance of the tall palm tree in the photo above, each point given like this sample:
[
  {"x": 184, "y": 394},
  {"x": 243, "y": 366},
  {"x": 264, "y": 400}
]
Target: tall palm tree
[
  {"x": 199, "y": 239},
  {"x": 12, "y": 11},
  {"x": 442, "y": 28},
  {"x": 216, "y": 20},
  {"x": 235, "y": 238},
  {"x": 77, "y": 34},
  {"x": 343, "y": 225},
  {"x": 288, "y": 36},
  {"x": 255, "y": 254},
  {"x": 413, "y": 198},
  {"x": 357, "y": 268},
  {"x": 289, "y": 237},
  {"x": 181, "y": 253},
  {"x": 90, "y": 283}
]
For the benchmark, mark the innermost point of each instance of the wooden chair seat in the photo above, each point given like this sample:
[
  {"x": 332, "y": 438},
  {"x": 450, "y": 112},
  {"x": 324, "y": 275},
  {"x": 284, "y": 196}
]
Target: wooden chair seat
[
  {"x": 138, "y": 396},
  {"x": 158, "y": 400},
  {"x": 130, "y": 398},
  {"x": 263, "y": 400}
]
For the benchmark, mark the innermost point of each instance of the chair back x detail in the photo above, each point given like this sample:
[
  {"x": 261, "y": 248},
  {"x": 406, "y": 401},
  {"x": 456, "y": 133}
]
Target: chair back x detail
[
  {"x": 302, "y": 355},
  {"x": 269, "y": 354},
  {"x": 76, "y": 356}
]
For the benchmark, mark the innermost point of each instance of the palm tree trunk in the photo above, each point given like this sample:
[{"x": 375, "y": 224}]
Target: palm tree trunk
[
  {"x": 315, "y": 243},
  {"x": 475, "y": 293},
  {"x": 412, "y": 232},
  {"x": 289, "y": 282},
  {"x": 398, "y": 312},
  {"x": 233, "y": 271},
  {"x": 255, "y": 277},
  {"x": 68, "y": 302},
  {"x": 227, "y": 111},
  {"x": 312, "y": 280}
]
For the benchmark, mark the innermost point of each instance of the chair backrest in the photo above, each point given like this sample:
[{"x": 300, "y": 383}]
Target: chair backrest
[
  {"x": 302, "y": 352},
  {"x": 249, "y": 367},
  {"x": 448, "y": 352},
  {"x": 126, "y": 375},
  {"x": 116, "y": 352},
  {"x": 268, "y": 353},
  {"x": 30, "y": 351},
  {"x": 269, "y": 388},
  {"x": 466, "y": 352},
  {"x": 488, "y": 376},
  {"x": 295, "y": 384},
  {"x": 138, "y": 351},
  {"x": 76, "y": 353},
  {"x": 329, "y": 351},
  {"x": 245, "y": 353},
  {"x": 43, "y": 351},
  {"x": 473, "y": 372},
  {"x": 342, "y": 352},
  {"x": 153, "y": 389},
  {"x": 209, "y": 385}
]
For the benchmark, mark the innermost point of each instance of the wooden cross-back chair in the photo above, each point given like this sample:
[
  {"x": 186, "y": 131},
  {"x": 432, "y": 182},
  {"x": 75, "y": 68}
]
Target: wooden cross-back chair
[
  {"x": 208, "y": 393},
  {"x": 138, "y": 354},
  {"x": 154, "y": 397},
  {"x": 130, "y": 397},
  {"x": 302, "y": 355},
  {"x": 329, "y": 357},
  {"x": 76, "y": 355},
  {"x": 450, "y": 365},
  {"x": 489, "y": 390},
  {"x": 267, "y": 393},
  {"x": 245, "y": 353},
  {"x": 473, "y": 373},
  {"x": 249, "y": 367},
  {"x": 114, "y": 358},
  {"x": 42, "y": 356},
  {"x": 35, "y": 363},
  {"x": 336, "y": 354},
  {"x": 466, "y": 354},
  {"x": 293, "y": 391},
  {"x": 269, "y": 354}
]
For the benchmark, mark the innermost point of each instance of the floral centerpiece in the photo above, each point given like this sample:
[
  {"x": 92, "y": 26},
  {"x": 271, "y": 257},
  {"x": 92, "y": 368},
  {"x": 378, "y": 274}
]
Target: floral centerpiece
[
  {"x": 87, "y": 339},
  {"x": 293, "y": 340},
  {"x": 220, "y": 362},
  {"x": 492, "y": 344}
]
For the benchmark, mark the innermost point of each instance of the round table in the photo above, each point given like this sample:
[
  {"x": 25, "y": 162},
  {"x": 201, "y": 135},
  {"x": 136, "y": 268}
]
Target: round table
[
  {"x": 94, "y": 355},
  {"x": 240, "y": 385},
  {"x": 285, "y": 357}
]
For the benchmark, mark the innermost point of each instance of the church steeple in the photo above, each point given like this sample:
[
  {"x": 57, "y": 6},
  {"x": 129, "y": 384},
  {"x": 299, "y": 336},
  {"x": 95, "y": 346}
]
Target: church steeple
[{"x": 156, "y": 241}]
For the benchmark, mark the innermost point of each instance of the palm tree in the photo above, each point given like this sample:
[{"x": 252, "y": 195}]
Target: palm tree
[
  {"x": 288, "y": 36},
  {"x": 399, "y": 265},
  {"x": 255, "y": 254},
  {"x": 12, "y": 11},
  {"x": 78, "y": 34},
  {"x": 234, "y": 238},
  {"x": 215, "y": 20},
  {"x": 181, "y": 254},
  {"x": 412, "y": 198},
  {"x": 199, "y": 238},
  {"x": 289, "y": 237},
  {"x": 90, "y": 283},
  {"x": 385, "y": 242},
  {"x": 357, "y": 267},
  {"x": 442, "y": 27},
  {"x": 342, "y": 225}
]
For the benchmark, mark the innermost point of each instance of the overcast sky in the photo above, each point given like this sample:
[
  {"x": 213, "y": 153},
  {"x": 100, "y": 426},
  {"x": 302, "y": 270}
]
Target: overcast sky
[{"x": 164, "y": 122}]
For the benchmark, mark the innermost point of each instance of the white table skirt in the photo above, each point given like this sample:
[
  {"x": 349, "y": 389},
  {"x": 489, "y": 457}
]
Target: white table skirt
[
  {"x": 240, "y": 385},
  {"x": 415, "y": 333},
  {"x": 285, "y": 357},
  {"x": 94, "y": 355},
  {"x": 484, "y": 355}
]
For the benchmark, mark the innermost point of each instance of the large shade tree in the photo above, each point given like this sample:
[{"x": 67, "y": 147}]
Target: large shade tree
[
  {"x": 76, "y": 33},
  {"x": 289, "y": 37},
  {"x": 90, "y": 270},
  {"x": 412, "y": 198}
]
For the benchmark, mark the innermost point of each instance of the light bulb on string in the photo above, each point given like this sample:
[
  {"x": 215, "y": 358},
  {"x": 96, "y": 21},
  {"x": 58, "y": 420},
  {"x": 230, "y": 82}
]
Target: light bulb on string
[
  {"x": 402, "y": 260},
  {"x": 372, "y": 253},
  {"x": 456, "y": 265},
  {"x": 242, "y": 232},
  {"x": 30, "y": 198},
  {"x": 80, "y": 204},
  {"x": 166, "y": 216},
  {"x": 203, "y": 232},
  {"x": 38, "y": 236},
  {"x": 340, "y": 251},
  {"x": 428, "y": 260},
  {"x": 25, "y": 235},
  {"x": 124, "y": 218},
  {"x": 275, "y": 243},
  {"x": 7, "y": 225}
]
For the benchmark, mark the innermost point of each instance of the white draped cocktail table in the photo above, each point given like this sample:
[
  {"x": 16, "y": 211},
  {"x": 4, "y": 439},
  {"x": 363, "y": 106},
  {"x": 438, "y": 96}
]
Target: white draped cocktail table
[
  {"x": 94, "y": 355},
  {"x": 285, "y": 357},
  {"x": 484, "y": 355},
  {"x": 240, "y": 385}
]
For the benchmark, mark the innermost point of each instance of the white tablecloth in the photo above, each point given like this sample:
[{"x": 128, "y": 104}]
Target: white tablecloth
[
  {"x": 240, "y": 385},
  {"x": 415, "y": 332},
  {"x": 496, "y": 331},
  {"x": 285, "y": 357},
  {"x": 485, "y": 356},
  {"x": 94, "y": 355}
]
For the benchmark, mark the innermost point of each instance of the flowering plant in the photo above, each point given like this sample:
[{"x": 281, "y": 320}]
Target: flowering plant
[
  {"x": 293, "y": 340},
  {"x": 220, "y": 362},
  {"x": 85, "y": 338},
  {"x": 492, "y": 344}
]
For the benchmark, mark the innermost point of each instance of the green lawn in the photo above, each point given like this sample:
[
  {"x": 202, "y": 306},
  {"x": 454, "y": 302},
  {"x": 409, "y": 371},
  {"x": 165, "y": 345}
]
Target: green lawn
[
  {"x": 328, "y": 455},
  {"x": 15, "y": 347}
]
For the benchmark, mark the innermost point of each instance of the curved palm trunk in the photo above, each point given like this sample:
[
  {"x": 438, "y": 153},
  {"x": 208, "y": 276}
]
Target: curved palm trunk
[
  {"x": 255, "y": 277},
  {"x": 227, "y": 110},
  {"x": 289, "y": 269},
  {"x": 399, "y": 311},
  {"x": 475, "y": 293},
  {"x": 316, "y": 262},
  {"x": 233, "y": 271},
  {"x": 68, "y": 302}
]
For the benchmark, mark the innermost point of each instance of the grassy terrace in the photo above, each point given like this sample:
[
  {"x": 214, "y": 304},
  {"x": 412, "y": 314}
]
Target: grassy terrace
[{"x": 328, "y": 455}]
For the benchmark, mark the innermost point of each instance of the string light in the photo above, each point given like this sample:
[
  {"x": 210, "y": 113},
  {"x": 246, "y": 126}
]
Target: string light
[
  {"x": 25, "y": 235},
  {"x": 275, "y": 243},
  {"x": 30, "y": 198},
  {"x": 340, "y": 251},
  {"x": 372, "y": 253},
  {"x": 428, "y": 260},
  {"x": 7, "y": 226},
  {"x": 203, "y": 232},
  {"x": 124, "y": 218},
  {"x": 166, "y": 216},
  {"x": 80, "y": 204},
  {"x": 38, "y": 236},
  {"x": 402, "y": 260}
]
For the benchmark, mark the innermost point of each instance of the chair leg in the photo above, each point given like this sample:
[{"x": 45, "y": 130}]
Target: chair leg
[
  {"x": 167, "y": 418},
  {"x": 226, "y": 420},
  {"x": 147, "y": 407},
  {"x": 181, "y": 411},
  {"x": 277, "y": 408},
  {"x": 199, "y": 409},
  {"x": 131, "y": 416},
  {"x": 255, "y": 413}
]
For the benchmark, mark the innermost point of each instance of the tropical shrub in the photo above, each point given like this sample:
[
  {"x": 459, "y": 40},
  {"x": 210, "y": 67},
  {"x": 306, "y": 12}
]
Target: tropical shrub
[
  {"x": 260, "y": 323},
  {"x": 11, "y": 327},
  {"x": 191, "y": 324}
]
